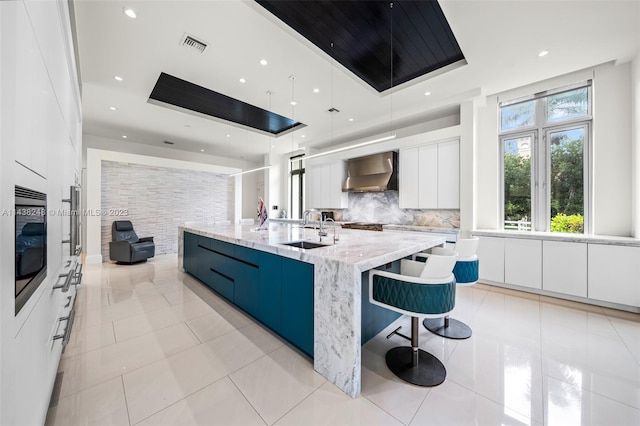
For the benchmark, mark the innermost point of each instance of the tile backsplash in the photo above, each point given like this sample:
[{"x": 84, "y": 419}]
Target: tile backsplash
[{"x": 383, "y": 207}]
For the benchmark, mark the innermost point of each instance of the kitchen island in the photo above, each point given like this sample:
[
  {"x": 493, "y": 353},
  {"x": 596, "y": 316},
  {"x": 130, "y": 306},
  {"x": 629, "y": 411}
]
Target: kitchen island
[{"x": 337, "y": 281}]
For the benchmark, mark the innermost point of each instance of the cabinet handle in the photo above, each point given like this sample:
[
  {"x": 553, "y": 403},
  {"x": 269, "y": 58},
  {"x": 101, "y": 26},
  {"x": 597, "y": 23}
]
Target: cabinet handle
[
  {"x": 67, "y": 282},
  {"x": 67, "y": 331},
  {"x": 78, "y": 274},
  {"x": 68, "y": 302}
]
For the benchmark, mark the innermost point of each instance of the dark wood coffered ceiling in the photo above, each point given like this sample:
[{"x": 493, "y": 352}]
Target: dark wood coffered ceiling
[
  {"x": 174, "y": 92},
  {"x": 360, "y": 36}
]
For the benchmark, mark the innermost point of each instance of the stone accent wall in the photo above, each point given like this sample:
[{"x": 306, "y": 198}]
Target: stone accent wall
[
  {"x": 159, "y": 199},
  {"x": 383, "y": 207}
]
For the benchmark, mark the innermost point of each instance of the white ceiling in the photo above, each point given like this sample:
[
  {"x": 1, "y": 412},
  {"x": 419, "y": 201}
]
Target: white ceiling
[{"x": 500, "y": 40}]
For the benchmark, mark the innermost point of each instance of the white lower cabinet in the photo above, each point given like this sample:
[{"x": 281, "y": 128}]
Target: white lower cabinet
[
  {"x": 523, "y": 262},
  {"x": 564, "y": 267},
  {"x": 614, "y": 274},
  {"x": 491, "y": 259}
]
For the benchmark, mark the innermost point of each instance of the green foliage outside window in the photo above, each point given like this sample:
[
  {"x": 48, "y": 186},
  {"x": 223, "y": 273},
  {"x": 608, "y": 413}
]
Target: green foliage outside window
[
  {"x": 567, "y": 183},
  {"x": 563, "y": 223},
  {"x": 517, "y": 194}
]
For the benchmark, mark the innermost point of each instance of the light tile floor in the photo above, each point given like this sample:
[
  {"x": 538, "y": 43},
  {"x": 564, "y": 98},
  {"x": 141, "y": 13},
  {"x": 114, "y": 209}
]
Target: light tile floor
[{"x": 153, "y": 346}]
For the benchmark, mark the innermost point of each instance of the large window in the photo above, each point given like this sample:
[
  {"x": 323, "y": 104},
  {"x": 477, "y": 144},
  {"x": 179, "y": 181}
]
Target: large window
[
  {"x": 297, "y": 187},
  {"x": 545, "y": 148}
]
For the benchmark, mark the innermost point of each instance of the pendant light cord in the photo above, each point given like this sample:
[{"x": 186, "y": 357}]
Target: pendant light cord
[{"x": 391, "y": 72}]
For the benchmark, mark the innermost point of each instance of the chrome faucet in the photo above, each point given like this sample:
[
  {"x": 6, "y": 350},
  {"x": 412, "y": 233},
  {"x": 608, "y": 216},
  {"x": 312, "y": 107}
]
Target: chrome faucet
[
  {"x": 305, "y": 217},
  {"x": 335, "y": 238},
  {"x": 321, "y": 231}
]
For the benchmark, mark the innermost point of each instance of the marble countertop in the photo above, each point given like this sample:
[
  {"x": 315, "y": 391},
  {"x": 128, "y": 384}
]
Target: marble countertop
[
  {"x": 552, "y": 236},
  {"x": 362, "y": 249}
]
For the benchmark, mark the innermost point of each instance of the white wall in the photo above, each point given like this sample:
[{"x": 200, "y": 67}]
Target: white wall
[
  {"x": 612, "y": 150},
  {"x": 611, "y": 158},
  {"x": 40, "y": 148}
]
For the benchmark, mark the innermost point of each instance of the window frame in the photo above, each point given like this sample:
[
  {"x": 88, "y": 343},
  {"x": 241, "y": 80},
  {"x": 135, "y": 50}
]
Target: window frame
[
  {"x": 298, "y": 173},
  {"x": 541, "y": 155}
]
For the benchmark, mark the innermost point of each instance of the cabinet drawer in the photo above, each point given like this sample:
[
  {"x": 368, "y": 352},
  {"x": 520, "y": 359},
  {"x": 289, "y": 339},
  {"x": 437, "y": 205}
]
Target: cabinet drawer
[
  {"x": 223, "y": 284},
  {"x": 222, "y": 247},
  {"x": 247, "y": 255}
]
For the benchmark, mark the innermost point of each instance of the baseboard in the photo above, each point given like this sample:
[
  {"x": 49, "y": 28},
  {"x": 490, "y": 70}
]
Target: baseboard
[{"x": 93, "y": 259}]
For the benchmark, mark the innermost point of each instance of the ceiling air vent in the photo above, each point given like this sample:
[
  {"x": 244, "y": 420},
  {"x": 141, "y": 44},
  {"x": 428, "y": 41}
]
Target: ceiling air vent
[{"x": 193, "y": 43}]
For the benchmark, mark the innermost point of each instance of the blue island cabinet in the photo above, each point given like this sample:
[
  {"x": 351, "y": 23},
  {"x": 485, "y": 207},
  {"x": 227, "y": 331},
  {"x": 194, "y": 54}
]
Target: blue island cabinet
[
  {"x": 275, "y": 290},
  {"x": 297, "y": 304}
]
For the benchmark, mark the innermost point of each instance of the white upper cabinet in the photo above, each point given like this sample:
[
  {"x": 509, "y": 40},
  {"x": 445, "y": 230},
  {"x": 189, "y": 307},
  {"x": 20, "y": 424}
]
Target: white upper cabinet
[
  {"x": 324, "y": 186},
  {"x": 430, "y": 176},
  {"x": 409, "y": 164},
  {"x": 449, "y": 175}
]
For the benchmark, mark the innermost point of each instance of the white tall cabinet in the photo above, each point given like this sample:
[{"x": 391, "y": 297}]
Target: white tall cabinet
[
  {"x": 40, "y": 149},
  {"x": 430, "y": 176},
  {"x": 324, "y": 186}
]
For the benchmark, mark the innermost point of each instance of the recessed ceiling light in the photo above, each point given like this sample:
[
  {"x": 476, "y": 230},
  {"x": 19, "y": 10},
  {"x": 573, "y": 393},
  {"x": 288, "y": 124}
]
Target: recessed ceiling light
[
  {"x": 543, "y": 53},
  {"x": 302, "y": 136},
  {"x": 273, "y": 146},
  {"x": 242, "y": 80},
  {"x": 117, "y": 78},
  {"x": 113, "y": 108},
  {"x": 316, "y": 90},
  {"x": 351, "y": 119},
  {"x": 263, "y": 62},
  {"x": 130, "y": 12},
  {"x": 202, "y": 150},
  {"x": 427, "y": 93},
  {"x": 228, "y": 135},
  {"x": 124, "y": 136},
  {"x": 294, "y": 103}
]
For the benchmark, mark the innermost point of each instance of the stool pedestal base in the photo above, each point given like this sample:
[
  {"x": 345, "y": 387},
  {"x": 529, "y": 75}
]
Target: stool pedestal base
[
  {"x": 447, "y": 327},
  {"x": 428, "y": 371}
]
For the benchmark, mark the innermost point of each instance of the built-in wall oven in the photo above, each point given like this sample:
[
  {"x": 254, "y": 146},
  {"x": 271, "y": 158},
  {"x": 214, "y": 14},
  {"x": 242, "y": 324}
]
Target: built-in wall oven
[{"x": 30, "y": 243}]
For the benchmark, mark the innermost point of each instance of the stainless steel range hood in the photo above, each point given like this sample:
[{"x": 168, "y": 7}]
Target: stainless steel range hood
[{"x": 373, "y": 173}]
